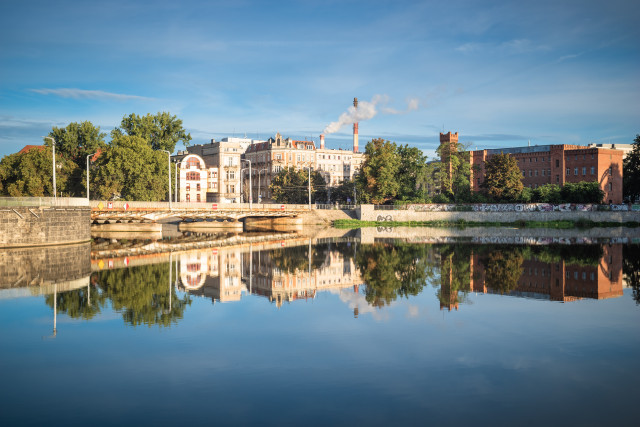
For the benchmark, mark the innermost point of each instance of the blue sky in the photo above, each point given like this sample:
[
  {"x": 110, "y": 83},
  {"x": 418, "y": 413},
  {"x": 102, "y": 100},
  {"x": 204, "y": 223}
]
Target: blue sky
[{"x": 498, "y": 72}]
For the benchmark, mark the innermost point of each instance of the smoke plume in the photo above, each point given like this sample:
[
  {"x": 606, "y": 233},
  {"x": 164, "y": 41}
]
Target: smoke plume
[{"x": 367, "y": 110}]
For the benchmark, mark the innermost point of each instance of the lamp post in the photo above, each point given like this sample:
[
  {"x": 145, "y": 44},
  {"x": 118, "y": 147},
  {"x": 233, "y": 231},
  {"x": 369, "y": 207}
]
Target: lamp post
[
  {"x": 241, "y": 169},
  {"x": 88, "y": 156},
  {"x": 175, "y": 184},
  {"x": 53, "y": 147},
  {"x": 259, "y": 194},
  {"x": 169, "y": 164},
  {"x": 250, "y": 189},
  {"x": 309, "y": 168}
]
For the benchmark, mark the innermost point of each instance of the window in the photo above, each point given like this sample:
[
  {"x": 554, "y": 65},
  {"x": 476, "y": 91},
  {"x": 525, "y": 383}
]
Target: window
[
  {"x": 231, "y": 175},
  {"x": 188, "y": 187},
  {"x": 214, "y": 174},
  {"x": 193, "y": 162},
  {"x": 584, "y": 170},
  {"x": 543, "y": 171},
  {"x": 610, "y": 170},
  {"x": 530, "y": 173},
  {"x": 593, "y": 170},
  {"x": 557, "y": 163},
  {"x": 568, "y": 171},
  {"x": 188, "y": 197},
  {"x": 198, "y": 188},
  {"x": 231, "y": 189},
  {"x": 610, "y": 186},
  {"x": 193, "y": 176},
  {"x": 213, "y": 185},
  {"x": 575, "y": 171},
  {"x": 536, "y": 172},
  {"x": 198, "y": 197},
  {"x": 557, "y": 179},
  {"x": 524, "y": 174}
]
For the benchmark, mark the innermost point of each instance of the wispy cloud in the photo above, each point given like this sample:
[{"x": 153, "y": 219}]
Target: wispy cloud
[
  {"x": 89, "y": 94},
  {"x": 570, "y": 56},
  {"x": 514, "y": 47}
]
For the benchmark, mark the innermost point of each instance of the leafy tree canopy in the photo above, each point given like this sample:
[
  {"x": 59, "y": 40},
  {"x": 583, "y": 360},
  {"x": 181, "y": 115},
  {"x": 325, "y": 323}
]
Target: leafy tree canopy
[
  {"x": 130, "y": 168},
  {"x": 77, "y": 140},
  {"x": 378, "y": 180},
  {"x": 503, "y": 179},
  {"x": 292, "y": 186},
  {"x": 162, "y": 131}
]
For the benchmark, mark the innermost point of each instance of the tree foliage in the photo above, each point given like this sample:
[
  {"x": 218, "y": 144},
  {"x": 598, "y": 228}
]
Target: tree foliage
[
  {"x": 413, "y": 174},
  {"x": 631, "y": 172},
  {"x": 130, "y": 168},
  {"x": 378, "y": 180},
  {"x": 503, "y": 179},
  {"x": 162, "y": 130},
  {"x": 30, "y": 174},
  {"x": 453, "y": 171},
  {"x": 291, "y": 185}
]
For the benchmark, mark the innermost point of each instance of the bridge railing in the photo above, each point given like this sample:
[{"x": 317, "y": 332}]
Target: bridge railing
[
  {"x": 44, "y": 201},
  {"x": 201, "y": 206}
]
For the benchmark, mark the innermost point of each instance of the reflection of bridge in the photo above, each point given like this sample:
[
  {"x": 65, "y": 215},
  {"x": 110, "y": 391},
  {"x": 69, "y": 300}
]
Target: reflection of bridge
[{"x": 119, "y": 211}]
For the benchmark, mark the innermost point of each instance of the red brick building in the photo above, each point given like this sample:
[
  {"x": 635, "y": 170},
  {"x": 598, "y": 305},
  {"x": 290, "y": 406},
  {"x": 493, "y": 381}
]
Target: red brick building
[{"x": 559, "y": 164}]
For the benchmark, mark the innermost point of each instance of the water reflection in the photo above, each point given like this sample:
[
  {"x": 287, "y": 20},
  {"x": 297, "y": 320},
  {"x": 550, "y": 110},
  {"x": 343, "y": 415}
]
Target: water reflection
[{"x": 152, "y": 287}]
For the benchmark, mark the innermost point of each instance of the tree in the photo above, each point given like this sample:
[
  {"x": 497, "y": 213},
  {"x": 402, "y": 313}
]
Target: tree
[
  {"x": 631, "y": 172},
  {"x": 291, "y": 185},
  {"x": 162, "y": 131},
  {"x": 130, "y": 168},
  {"x": 503, "y": 268},
  {"x": 30, "y": 174},
  {"x": 377, "y": 180},
  {"x": 74, "y": 143},
  {"x": 503, "y": 177},
  {"x": 413, "y": 175},
  {"x": 454, "y": 171}
]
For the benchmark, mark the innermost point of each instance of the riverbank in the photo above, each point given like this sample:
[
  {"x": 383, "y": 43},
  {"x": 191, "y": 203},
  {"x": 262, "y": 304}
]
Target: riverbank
[{"x": 461, "y": 223}]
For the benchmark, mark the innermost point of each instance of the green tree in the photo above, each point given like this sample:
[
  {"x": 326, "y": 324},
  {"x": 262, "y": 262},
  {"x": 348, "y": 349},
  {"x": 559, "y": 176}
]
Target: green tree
[
  {"x": 130, "y": 168},
  {"x": 581, "y": 192},
  {"x": 162, "y": 131},
  {"x": 80, "y": 303},
  {"x": 631, "y": 269},
  {"x": 413, "y": 175},
  {"x": 291, "y": 185},
  {"x": 454, "y": 171},
  {"x": 631, "y": 172},
  {"x": 377, "y": 180},
  {"x": 30, "y": 174},
  {"x": 74, "y": 143},
  {"x": 503, "y": 178}
]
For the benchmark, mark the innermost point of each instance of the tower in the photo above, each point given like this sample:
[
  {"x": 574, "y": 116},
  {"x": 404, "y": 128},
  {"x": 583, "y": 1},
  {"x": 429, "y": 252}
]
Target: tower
[
  {"x": 355, "y": 128},
  {"x": 448, "y": 146}
]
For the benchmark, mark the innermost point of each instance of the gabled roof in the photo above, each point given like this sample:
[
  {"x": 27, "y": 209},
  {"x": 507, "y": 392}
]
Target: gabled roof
[{"x": 28, "y": 148}]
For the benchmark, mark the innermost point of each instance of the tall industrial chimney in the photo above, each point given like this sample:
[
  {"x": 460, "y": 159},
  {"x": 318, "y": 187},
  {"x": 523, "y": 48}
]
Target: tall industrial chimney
[
  {"x": 355, "y": 128},
  {"x": 321, "y": 141}
]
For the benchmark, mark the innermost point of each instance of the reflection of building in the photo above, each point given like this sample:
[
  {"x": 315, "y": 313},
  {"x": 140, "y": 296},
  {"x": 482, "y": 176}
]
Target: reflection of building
[
  {"x": 559, "y": 281},
  {"x": 268, "y": 280},
  {"x": 214, "y": 273}
]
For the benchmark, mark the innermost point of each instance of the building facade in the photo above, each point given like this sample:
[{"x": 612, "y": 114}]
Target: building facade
[{"x": 559, "y": 164}]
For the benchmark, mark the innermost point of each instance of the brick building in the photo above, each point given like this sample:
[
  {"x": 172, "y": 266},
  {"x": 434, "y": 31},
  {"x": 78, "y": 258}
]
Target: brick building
[{"x": 559, "y": 164}]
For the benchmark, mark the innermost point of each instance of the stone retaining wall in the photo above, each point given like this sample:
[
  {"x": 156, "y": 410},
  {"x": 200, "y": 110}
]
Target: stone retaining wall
[
  {"x": 50, "y": 223},
  {"x": 368, "y": 213}
]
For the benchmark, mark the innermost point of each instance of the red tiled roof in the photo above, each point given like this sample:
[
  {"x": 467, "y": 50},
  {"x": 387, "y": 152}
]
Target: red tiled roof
[{"x": 28, "y": 148}]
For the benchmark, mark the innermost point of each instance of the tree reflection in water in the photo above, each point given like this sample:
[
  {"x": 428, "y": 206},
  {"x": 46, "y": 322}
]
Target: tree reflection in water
[
  {"x": 140, "y": 293},
  {"x": 631, "y": 269}
]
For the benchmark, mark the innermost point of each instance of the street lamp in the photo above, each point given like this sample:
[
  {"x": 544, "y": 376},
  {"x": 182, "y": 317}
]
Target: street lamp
[
  {"x": 169, "y": 164},
  {"x": 259, "y": 194},
  {"x": 309, "y": 168},
  {"x": 88, "y": 156},
  {"x": 54, "y": 163},
  {"x": 250, "y": 189}
]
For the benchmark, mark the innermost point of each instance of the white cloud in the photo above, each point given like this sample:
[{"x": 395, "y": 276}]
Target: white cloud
[{"x": 89, "y": 94}]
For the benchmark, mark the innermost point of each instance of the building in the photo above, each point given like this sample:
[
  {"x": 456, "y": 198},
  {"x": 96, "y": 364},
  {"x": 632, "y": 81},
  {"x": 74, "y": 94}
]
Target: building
[
  {"x": 211, "y": 172},
  {"x": 559, "y": 164}
]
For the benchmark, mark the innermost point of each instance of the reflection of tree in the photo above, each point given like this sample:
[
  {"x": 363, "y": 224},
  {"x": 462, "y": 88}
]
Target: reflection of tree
[
  {"x": 78, "y": 304},
  {"x": 631, "y": 269},
  {"x": 142, "y": 294},
  {"x": 503, "y": 268},
  {"x": 454, "y": 274},
  {"x": 390, "y": 271},
  {"x": 295, "y": 258},
  {"x": 583, "y": 255}
]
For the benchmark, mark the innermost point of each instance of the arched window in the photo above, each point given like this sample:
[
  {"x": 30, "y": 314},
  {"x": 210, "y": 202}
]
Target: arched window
[
  {"x": 193, "y": 162},
  {"x": 193, "y": 176}
]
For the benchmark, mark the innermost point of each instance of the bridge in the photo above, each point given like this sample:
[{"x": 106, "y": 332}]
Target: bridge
[{"x": 123, "y": 211}]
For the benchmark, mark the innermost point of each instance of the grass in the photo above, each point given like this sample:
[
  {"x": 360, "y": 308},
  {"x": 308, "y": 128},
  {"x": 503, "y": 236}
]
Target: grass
[{"x": 355, "y": 223}]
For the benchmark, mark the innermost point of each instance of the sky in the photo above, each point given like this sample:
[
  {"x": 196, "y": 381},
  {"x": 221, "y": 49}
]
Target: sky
[{"x": 501, "y": 73}]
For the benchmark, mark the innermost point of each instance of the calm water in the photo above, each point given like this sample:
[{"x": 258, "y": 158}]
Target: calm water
[{"x": 288, "y": 333}]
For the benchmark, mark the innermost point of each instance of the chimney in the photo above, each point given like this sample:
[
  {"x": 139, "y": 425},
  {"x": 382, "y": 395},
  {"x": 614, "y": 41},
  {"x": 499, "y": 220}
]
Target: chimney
[
  {"x": 355, "y": 128},
  {"x": 321, "y": 141}
]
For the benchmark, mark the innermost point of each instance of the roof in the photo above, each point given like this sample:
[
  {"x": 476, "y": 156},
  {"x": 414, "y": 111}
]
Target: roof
[{"x": 28, "y": 148}]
